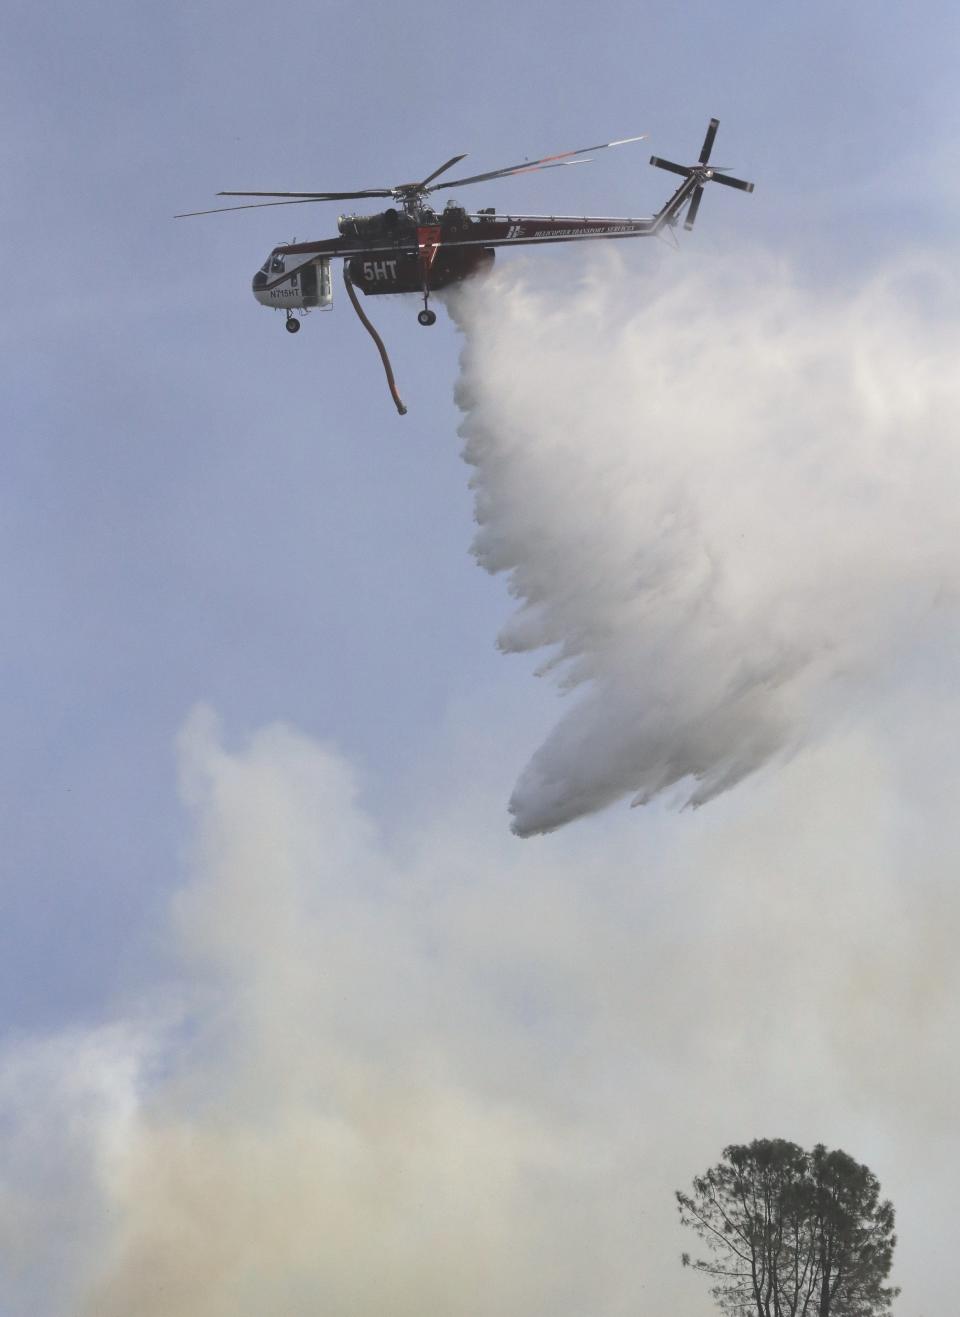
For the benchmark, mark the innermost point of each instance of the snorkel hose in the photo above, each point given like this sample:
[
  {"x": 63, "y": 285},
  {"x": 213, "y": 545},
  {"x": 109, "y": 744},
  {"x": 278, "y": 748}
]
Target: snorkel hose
[{"x": 376, "y": 338}]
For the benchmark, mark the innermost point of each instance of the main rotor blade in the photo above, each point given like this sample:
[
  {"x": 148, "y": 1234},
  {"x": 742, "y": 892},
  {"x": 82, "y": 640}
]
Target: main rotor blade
[
  {"x": 733, "y": 182},
  {"x": 546, "y": 162},
  {"x": 253, "y": 205},
  {"x": 317, "y": 196},
  {"x": 506, "y": 173},
  {"x": 708, "y": 140},
  {"x": 454, "y": 159}
]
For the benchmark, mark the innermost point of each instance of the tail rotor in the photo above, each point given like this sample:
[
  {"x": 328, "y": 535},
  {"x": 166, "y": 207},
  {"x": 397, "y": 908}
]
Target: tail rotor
[{"x": 703, "y": 172}]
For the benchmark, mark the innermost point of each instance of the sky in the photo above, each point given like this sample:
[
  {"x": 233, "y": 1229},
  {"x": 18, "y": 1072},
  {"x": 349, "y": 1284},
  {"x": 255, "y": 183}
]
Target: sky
[{"x": 290, "y": 1015}]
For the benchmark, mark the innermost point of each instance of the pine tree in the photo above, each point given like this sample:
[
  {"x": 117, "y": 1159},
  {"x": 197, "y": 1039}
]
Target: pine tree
[{"x": 791, "y": 1233}]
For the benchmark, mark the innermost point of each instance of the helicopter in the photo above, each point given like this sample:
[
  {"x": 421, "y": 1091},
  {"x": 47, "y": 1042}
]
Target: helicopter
[{"x": 412, "y": 248}]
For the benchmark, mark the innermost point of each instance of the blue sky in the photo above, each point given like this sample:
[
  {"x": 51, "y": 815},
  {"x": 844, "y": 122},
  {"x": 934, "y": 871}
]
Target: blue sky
[{"x": 199, "y": 508}]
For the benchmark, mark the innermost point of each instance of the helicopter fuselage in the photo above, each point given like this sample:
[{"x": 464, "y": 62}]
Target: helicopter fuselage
[
  {"x": 394, "y": 252},
  {"x": 384, "y": 253}
]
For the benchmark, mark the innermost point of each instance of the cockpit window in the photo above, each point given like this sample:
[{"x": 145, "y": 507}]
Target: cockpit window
[
  {"x": 276, "y": 263},
  {"x": 265, "y": 267}
]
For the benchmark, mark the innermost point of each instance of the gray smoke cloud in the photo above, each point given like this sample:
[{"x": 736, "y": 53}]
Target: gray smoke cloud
[
  {"x": 441, "y": 1072},
  {"x": 722, "y": 500}
]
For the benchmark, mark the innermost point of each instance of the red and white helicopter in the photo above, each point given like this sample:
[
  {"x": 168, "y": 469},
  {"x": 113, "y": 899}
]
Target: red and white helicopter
[{"x": 411, "y": 248}]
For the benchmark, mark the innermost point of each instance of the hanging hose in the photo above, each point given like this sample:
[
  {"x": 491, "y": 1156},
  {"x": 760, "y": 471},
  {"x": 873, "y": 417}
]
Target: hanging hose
[{"x": 376, "y": 338}]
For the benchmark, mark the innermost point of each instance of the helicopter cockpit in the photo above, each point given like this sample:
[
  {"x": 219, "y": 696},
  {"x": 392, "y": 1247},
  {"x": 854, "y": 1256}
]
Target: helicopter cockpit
[
  {"x": 273, "y": 266},
  {"x": 291, "y": 281}
]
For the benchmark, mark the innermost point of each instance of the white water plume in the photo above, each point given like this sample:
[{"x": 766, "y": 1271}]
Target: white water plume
[{"x": 720, "y": 497}]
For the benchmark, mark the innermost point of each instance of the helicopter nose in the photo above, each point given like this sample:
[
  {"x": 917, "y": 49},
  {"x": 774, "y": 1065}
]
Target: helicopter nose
[{"x": 259, "y": 281}]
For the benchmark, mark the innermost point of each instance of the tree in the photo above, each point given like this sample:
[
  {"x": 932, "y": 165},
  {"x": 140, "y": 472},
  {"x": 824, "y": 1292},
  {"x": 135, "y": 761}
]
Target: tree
[{"x": 792, "y": 1233}]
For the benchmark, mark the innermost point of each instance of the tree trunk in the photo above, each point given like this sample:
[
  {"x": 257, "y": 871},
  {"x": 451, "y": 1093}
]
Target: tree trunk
[{"x": 824, "y": 1309}]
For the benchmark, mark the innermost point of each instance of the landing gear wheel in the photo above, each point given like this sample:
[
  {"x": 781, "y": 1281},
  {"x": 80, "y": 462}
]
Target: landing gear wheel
[
  {"x": 293, "y": 325},
  {"x": 427, "y": 317}
]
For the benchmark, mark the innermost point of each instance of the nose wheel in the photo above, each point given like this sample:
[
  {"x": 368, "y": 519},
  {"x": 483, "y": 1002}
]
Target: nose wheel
[
  {"x": 293, "y": 324},
  {"x": 427, "y": 317}
]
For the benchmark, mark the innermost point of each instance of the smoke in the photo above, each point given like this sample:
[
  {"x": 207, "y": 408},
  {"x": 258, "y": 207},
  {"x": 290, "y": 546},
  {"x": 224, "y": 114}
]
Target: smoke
[
  {"x": 437, "y": 1071},
  {"x": 343, "y": 1122},
  {"x": 724, "y": 501}
]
